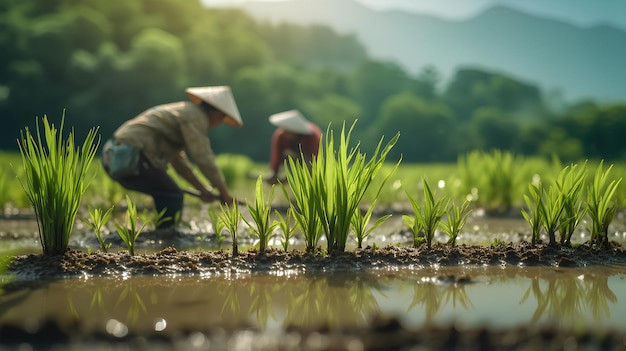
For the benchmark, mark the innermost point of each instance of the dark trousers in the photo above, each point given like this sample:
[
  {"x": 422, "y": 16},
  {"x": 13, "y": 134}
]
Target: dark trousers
[{"x": 158, "y": 184}]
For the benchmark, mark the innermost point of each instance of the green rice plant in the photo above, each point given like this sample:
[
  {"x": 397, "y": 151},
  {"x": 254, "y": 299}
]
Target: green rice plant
[
  {"x": 54, "y": 180},
  {"x": 601, "y": 205},
  {"x": 490, "y": 179},
  {"x": 427, "y": 217},
  {"x": 340, "y": 179},
  {"x": 261, "y": 215},
  {"x": 532, "y": 212},
  {"x": 360, "y": 224},
  {"x": 97, "y": 220},
  {"x": 456, "y": 216},
  {"x": 231, "y": 217},
  {"x": 284, "y": 223},
  {"x": 551, "y": 210},
  {"x": 155, "y": 218},
  {"x": 570, "y": 183},
  {"x": 130, "y": 231},
  {"x": 304, "y": 211},
  {"x": 218, "y": 225}
]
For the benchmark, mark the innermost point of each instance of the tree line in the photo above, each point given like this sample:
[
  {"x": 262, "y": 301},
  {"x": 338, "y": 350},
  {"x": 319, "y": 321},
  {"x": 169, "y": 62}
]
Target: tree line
[{"x": 101, "y": 62}]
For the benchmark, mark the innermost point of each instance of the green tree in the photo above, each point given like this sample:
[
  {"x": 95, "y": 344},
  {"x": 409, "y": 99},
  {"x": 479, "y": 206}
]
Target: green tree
[{"x": 425, "y": 128}]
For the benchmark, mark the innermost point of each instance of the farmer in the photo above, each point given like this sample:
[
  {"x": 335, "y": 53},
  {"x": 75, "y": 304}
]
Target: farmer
[
  {"x": 138, "y": 154},
  {"x": 293, "y": 135}
]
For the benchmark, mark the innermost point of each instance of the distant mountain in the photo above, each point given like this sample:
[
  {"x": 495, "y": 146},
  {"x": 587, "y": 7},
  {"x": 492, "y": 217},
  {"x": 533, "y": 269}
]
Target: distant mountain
[{"x": 581, "y": 62}]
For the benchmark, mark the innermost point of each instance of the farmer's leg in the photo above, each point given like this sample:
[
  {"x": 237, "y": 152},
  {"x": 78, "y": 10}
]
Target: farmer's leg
[{"x": 158, "y": 184}]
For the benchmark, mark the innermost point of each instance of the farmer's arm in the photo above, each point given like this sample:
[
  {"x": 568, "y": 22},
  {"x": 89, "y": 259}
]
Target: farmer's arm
[
  {"x": 183, "y": 168},
  {"x": 199, "y": 147}
]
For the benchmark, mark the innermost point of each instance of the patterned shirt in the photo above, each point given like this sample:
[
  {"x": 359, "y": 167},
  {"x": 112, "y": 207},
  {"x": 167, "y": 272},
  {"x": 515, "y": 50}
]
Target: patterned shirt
[{"x": 165, "y": 132}]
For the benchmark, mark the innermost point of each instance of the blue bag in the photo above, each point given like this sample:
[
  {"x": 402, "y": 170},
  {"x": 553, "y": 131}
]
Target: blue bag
[{"x": 122, "y": 160}]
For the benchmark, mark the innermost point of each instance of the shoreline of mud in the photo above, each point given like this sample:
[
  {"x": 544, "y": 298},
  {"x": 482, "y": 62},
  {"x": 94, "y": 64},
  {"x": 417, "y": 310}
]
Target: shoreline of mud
[{"x": 172, "y": 261}]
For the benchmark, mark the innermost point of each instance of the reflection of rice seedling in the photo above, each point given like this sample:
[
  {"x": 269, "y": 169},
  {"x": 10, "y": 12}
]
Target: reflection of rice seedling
[
  {"x": 570, "y": 182},
  {"x": 231, "y": 216},
  {"x": 601, "y": 204},
  {"x": 427, "y": 217},
  {"x": 261, "y": 212},
  {"x": 456, "y": 216},
  {"x": 98, "y": 220},
  {"x": 284, "y": 223},
  {"x": 129, "y": 234},
  {"x": 54, "y": 181}
]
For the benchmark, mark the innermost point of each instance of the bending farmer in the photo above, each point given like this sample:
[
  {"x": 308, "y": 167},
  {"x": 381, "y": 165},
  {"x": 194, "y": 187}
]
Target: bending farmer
[
  {"x": 294, "y": 134},
  {"x": 141, "y": 149}
]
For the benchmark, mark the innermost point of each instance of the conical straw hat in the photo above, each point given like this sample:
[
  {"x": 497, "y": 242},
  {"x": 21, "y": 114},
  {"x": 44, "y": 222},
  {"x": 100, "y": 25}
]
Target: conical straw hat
[
  {"x": 219, "y": 97},
  {"x": 292, "y": 121}
]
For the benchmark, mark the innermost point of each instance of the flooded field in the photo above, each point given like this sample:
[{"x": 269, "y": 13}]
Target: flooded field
[{"x": 243, "y": 310}]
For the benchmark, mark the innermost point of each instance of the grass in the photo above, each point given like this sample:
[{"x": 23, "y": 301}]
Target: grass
[
  {"x": 326, "y": 197},
  {"x": 230, "y": 218},
  {"x": 427, "y": 215},
  {"x": 335, "y": 183},
  {"x": 129, "y": 231},
  {"x": 97, "y": 220},
  {"x": 54, "y": 179},
  {"x": 262, "y": 225}
]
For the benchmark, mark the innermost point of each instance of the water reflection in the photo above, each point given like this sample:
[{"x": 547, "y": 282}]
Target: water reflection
[{"x": 579, "y": 298}]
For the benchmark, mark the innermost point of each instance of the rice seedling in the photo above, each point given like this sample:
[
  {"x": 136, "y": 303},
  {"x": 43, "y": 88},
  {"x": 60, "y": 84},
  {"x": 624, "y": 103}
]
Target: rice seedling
[
  {"x": 490, "y": 179},
  {"x": 340, "y": 179},
  {"x": 532, "y": 213},
  {"x": 456, "y": 216},
  {"x": 601, "y": 205},
  {"x": 304, "y": 211},
  {"x": 284, "y": 224},
  {"x": 231, "y": 216},
  {"x": 570, "y": 183},
  {"x": 54, "y": 180},
  {"x": 427, "y": 217},
  {"x": 155, "y": 218},
  {"x": 97, "y": 220},
  {"x": 218, "y": 225},
  {"x": 551, "y": 211},
  {"x": 131, "y": 230},
  {"x": 261, "y": 215},
  {"x": 360, "y": 222}
]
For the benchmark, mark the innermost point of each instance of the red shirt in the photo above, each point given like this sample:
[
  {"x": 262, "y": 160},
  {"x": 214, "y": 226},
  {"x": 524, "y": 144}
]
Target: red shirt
[{"x": 283, "y": 144}]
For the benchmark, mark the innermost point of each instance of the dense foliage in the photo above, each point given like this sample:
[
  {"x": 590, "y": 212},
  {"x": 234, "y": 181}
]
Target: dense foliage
[{"x": 104, "y": 61}]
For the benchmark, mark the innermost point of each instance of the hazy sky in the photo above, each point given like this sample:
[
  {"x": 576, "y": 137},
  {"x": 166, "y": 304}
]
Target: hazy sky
[{"x": 581, "y": 12}]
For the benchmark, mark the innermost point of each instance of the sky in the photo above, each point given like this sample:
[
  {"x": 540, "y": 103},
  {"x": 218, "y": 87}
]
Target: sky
[{"x": 580, "y": 12}]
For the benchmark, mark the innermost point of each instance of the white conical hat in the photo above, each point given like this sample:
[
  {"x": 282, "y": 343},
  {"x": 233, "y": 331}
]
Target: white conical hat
[
  {"x": 292, "y": 121},
  {"x": 220, "y": 97}
]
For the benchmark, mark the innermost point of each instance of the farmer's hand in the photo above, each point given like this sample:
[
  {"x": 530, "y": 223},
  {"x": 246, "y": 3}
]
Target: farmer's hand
[
  {"x": 207, "y": 196},
  {"x": 271, "y": 180},
  {"x": 226, "y": 199}
]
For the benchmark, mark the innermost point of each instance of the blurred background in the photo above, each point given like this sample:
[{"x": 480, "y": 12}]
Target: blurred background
[{"x": 535, "y": 77}]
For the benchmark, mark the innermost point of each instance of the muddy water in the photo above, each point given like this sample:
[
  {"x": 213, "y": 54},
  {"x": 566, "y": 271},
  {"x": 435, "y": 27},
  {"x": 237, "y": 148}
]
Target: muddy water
[{"x": 590, "y": 299}]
